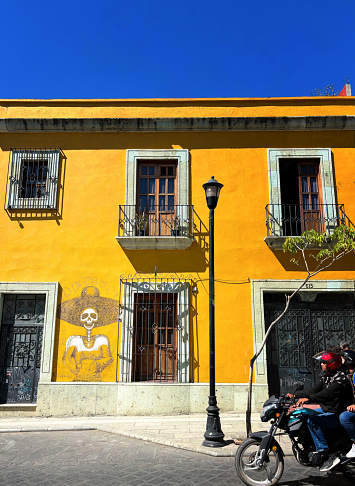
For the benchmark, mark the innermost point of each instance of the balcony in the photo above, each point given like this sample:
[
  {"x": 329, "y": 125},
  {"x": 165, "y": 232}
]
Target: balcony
[
  {"x": 168, "y": 227},
  {"x": 284, "y": 220}
]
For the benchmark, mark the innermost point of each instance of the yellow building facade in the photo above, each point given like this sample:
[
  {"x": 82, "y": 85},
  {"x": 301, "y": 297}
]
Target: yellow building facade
[{"x": 104, "y": 236}]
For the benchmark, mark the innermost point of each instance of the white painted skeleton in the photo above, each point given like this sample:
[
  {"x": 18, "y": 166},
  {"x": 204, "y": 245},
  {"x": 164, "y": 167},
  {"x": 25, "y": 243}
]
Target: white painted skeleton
[{"x": 89, "y": 317}]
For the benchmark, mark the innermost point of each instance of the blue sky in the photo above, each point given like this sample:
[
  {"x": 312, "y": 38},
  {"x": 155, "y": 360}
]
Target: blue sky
[{"x": 174, "y": 49}]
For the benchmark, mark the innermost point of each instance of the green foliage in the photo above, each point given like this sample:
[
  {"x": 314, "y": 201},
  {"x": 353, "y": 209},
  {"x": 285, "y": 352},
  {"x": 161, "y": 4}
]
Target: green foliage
[
  {"x": 344, "y": 238},
  {"x": 341, "y": 242},
  {"x": 308, "y": 238}
]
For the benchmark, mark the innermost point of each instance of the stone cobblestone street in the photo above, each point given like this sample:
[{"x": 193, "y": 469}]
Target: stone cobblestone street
[{"x": 93, "y": 458}]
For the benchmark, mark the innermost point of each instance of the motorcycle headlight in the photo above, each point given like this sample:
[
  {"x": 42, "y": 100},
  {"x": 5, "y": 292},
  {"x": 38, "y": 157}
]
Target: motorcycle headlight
[{"x": 267, "y": 412}]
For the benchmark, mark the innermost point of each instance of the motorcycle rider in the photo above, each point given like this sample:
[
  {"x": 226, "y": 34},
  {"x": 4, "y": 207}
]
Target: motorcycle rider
[
  {"x": 333, "y": 393},
  {"x": 347, "y": 418}
]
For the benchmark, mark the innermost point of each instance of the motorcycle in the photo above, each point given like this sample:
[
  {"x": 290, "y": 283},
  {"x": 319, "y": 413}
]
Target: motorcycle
[{"x": 259, "y": 459}]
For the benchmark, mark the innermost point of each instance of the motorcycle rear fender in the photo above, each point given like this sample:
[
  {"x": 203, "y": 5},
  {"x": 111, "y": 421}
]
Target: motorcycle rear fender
[{"x": 264, "y": 437}]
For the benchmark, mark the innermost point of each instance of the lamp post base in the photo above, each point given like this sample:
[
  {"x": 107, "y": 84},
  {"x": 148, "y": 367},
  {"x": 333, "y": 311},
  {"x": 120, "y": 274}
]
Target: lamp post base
[{"x": 213, "y": 435}]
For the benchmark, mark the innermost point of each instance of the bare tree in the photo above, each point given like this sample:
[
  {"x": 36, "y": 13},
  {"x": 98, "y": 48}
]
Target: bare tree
[{"x": 332, "y": 248}]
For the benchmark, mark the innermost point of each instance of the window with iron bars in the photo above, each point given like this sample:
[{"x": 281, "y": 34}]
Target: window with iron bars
[
  {"x": 33, "y": 179},
  {"x": 156, "y": 335}
]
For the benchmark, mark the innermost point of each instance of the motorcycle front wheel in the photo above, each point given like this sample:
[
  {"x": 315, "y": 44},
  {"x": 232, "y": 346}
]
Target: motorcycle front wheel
[{"x": 251, "y": 474}]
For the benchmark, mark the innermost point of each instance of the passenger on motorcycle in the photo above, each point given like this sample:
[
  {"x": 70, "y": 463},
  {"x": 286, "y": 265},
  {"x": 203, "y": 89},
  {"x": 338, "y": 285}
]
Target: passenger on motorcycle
[
  {"x": 334, "y": 394},
  {"x": 344, "y": 345},
  {"x": 347, "y": 418}
]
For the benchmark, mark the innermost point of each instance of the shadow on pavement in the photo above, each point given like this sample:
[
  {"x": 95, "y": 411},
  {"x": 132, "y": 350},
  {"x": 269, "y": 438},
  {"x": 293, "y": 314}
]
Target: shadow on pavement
[{"x": 322, "y": 480}]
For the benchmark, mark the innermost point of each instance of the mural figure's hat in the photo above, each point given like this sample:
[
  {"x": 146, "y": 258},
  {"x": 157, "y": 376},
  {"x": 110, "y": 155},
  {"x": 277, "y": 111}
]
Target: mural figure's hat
[{"x": 107, "y": 309}]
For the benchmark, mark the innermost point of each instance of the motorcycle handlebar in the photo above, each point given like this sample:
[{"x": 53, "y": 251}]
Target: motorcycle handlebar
[{"x": 288, "y": 400}]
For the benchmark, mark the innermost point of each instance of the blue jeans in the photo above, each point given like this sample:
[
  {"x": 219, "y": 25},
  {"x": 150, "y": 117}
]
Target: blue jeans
[
  {"x": 347, "y": 420},
  {"x": 316, "y": 425}
]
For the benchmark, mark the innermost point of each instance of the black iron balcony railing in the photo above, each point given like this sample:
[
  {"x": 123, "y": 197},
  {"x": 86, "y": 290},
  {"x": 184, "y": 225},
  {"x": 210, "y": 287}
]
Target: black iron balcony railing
[
  {"x": 294, "y": 219},
  {"x": 152, "y": 220}
]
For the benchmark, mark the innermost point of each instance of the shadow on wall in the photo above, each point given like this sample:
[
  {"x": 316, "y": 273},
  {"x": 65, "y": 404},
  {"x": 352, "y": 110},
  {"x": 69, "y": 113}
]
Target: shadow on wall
[
  {"x": 346, "y": 263},
  {"x": 30, "y": 212},
  {"x": 56, "y": 338},
  {"x": 195, "y": 140},
  {"x": 194, "y": 259},
  {"x": 168, "y": 261},
  {"x": 194, "y": 343}
]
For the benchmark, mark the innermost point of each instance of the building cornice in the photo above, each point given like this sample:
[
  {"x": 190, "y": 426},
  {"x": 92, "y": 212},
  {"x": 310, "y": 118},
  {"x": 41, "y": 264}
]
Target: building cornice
[{"x": 202, "y": 124}]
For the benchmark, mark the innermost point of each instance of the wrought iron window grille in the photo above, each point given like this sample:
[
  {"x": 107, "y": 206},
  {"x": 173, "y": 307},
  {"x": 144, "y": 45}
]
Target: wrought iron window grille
[
  {"x": 306, "y": 329},
  {"x": 33, "y": 179},
  {"x": 156, "y": 332},
  {"x": 21, "y": 336}
]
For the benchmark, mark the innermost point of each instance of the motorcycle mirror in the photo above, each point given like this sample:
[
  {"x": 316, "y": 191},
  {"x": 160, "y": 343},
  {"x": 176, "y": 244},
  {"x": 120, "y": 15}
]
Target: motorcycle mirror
[{"x": 296, "y": 387}]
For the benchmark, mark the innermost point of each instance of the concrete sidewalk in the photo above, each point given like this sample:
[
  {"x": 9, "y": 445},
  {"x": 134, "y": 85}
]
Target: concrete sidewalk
[{"x": 180, "y": 431}]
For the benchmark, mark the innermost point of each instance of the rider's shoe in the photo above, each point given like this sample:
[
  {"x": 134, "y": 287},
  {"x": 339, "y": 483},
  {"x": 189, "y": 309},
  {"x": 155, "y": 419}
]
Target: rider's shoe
[
  {"x": 351, "y": 453},
  {"x": 331, "y": 462}
]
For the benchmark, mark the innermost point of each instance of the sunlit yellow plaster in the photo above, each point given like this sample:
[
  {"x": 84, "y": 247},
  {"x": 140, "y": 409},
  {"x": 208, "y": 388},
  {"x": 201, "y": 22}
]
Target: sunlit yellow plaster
[{"x": 77, "y": 247}]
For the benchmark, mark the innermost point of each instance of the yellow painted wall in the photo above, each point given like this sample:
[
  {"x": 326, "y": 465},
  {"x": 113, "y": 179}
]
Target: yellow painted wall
[
  {"x": 78, "y": 249},
  {"x": 314, "y": 106}
]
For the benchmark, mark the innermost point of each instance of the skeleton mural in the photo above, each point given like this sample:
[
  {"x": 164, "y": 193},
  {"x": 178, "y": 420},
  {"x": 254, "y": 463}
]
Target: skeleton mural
[{"x": 87, "y": 356}]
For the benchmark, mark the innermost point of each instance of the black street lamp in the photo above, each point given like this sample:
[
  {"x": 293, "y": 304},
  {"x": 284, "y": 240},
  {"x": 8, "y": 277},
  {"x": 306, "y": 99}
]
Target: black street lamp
[{"x": 213, "y": 435}]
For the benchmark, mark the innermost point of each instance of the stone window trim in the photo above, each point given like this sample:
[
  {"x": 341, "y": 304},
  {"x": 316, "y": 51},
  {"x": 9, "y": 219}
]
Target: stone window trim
[
  {"x": 323, "y": 155},
  {"x": 47, "y": 200},
  {"x": 181, "y": 156},
  {"x": 50, "y": 289},
  {"x": 258, "y": 287},
  {"x": 184, "y": 211},
  {"x": 129, "y": 290}
]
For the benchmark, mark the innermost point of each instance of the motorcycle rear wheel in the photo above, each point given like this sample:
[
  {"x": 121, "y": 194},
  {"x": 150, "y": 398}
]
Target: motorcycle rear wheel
[{"x": 269, "y": 474}]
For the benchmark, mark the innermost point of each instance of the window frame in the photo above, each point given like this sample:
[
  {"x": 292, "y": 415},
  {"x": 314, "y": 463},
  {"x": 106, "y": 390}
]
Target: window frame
[
  {"x": 158, "y": 177},
  {"x": 151, "y": 334},
  {"x": 326, "y": 176},
  {"x": 183, "y": 290},
  {"x": 49, "y": 200},
  {"x": 50, "y": 289},
  {"x": 310, "y": 192},
  {"x": 181, "y": 157}
]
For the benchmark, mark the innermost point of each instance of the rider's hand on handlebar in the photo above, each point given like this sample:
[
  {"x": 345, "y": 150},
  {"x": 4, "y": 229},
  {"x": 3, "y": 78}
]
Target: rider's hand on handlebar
[
  {"x": 301, "y": 401},
  {"x": 289, "y": 395}
]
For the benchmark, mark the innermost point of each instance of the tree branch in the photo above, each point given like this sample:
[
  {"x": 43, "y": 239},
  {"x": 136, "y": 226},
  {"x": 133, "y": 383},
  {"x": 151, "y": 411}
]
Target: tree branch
[{"x": 345, "y": 238}]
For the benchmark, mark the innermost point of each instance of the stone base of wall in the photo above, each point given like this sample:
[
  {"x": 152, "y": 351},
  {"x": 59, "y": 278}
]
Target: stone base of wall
[
  {"x": 18, "y": 410},
  {"x": 85, "y": 399}
]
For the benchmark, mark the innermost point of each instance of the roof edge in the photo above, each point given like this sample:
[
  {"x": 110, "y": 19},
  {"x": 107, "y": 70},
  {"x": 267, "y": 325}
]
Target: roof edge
[{"x": 188, "y": 124}]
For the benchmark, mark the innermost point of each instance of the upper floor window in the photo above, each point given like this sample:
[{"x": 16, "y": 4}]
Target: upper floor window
[
  {"x": 302, "y": 194},
  {"x": 157, "y": 186},
  {"x": 157, "y": 213},
  {"x": 156, "y": 197},
  {"x": 33, "y": 179}
]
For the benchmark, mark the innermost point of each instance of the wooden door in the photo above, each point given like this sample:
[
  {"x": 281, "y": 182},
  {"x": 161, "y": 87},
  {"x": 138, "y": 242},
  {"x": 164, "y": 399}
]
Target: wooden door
[
  {"x": 156, "y": 205},
  {"x": 155, "y": 338},
  {"x": 310, "y": 197}
]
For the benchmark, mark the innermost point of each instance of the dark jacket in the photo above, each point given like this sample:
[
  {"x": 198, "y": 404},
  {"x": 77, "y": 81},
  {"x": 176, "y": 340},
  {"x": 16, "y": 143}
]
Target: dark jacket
[{"x": 333, "y": 393}]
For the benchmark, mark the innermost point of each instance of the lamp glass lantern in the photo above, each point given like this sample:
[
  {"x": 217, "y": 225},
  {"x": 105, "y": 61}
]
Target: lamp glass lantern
[{"x": 212, "y": 189}]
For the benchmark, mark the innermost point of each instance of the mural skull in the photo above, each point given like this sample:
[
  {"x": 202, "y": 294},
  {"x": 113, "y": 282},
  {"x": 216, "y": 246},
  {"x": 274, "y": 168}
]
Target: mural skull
[
  {"x": 87, "y": 356},
  {"x": 89, "y": 318}
]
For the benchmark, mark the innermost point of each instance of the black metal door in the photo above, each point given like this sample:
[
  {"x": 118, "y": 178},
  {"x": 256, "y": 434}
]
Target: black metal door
[
  {"x": 20, "y": 347},
  {"x": 306, "y": 329}
]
